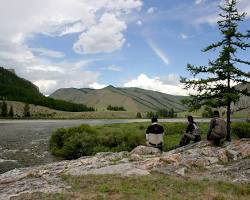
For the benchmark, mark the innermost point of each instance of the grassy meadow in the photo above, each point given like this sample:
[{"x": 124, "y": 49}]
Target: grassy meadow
[{"x": 155, "y": 187}]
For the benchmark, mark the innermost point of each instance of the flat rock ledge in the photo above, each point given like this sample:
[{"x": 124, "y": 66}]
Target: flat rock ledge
[{"x": 202, "y": 160}]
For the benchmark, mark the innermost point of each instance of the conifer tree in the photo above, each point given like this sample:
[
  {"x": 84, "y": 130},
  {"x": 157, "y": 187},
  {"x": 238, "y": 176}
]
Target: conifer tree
[
  {"x": 26, "y": 110},
  {"x": 11, "y": 112},
  {"x": 4, "y": 109},
  {"x": 215, "y": 87}
]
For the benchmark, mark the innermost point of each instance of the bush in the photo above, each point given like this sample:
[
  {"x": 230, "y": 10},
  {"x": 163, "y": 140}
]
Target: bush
[
  {"x": 87, "y": 140},
  {"x": 80, "y": 141},
  {"x": 242, "y": 130}
]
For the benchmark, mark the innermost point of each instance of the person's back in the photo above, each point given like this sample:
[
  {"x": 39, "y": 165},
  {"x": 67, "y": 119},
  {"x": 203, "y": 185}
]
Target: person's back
[
  {"x": 154, "y": 134},
  {"x": 192, "y": 133},
  {"x": 217, "y": 129}
]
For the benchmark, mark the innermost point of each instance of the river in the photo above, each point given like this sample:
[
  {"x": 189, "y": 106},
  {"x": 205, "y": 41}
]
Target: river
[{"x": 24, "y": 143}]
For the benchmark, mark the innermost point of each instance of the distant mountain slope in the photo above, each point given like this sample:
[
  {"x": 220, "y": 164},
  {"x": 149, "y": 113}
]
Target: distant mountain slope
[
  {"x": 132, "y": 99},
  {"x": 15, "y": 88}
]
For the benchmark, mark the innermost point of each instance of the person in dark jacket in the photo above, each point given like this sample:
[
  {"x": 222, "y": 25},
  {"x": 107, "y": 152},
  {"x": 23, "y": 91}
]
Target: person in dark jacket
[
  {"x": 217, "y": 129},
  {"x": 192, "y": 133},
  {"x": 154, "y": 134}
]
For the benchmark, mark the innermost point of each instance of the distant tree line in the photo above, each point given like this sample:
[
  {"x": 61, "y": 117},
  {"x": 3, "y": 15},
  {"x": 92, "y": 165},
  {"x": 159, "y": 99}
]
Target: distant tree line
[
  {"x": 14, "y": 88},
  {"x": 4, "y": 110},
  {"x": 116, "y": 108},
  {"x": 163, "y": 113},
  {"x": 5, "y": 113}
]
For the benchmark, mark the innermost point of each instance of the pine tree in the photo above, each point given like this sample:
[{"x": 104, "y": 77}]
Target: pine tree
[
  {"x": 4, "y": 109},
  {"x": 11, "y": 112},
  {"x": 217, "y": 88},
  {"x": 26, "y": 110}
]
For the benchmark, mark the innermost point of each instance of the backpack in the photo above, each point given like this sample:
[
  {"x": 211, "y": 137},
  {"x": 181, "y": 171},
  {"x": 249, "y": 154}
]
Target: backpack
[
  {"x": 196, "y": 130},
  {"x": 220, "y": 128}
]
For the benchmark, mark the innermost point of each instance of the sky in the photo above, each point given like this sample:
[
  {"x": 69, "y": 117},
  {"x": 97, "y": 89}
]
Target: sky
[{"x": 124, "y": 43}]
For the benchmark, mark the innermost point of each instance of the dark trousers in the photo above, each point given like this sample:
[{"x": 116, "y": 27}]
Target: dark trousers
[
  {"x": 215, "y": 138},
  {"x": 185, "y": 140},
  {"x": 158, "y": 146}
]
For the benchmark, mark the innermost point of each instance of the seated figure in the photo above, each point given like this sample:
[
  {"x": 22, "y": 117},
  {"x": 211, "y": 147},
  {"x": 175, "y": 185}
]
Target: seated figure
[
  {"x": 154, "y": 134},
  {"x": 217, "y": 129},
  {"x": 192, "y": 133}
]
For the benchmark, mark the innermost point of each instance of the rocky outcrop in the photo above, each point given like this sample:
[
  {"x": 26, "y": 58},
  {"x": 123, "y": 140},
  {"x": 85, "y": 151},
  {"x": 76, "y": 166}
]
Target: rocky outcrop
[{"x": 201, "y": 160}]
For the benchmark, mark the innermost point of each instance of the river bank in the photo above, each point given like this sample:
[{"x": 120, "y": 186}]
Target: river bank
[{"x": 24, "y": 143}]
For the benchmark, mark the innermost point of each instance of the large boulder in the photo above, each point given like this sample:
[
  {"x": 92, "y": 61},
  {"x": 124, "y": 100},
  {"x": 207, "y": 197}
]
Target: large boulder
[
  {"x": 200, "y": 160},
  {"x": 145, "y": 150}
]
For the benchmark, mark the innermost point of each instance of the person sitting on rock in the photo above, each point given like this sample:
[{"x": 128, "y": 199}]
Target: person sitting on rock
[
  {"x": 154, "y": 134},
  {"x": 217, "y": 129},
  {"x": 192, "y": 133}
]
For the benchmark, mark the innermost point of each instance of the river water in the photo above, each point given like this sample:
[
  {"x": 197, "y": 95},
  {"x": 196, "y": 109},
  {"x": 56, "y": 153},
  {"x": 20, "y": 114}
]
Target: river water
[{"x": 24, "y": 143}]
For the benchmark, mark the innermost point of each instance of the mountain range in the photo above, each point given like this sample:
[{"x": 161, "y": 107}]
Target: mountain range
[{"x": 132, "y": 99}]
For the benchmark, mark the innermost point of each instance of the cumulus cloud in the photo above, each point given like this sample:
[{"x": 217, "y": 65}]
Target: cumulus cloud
[
  {"x": 45, "y": 85},
  {"x": 157, "y": 84},
  {"x": 158, "y": 52},
  {"x": 105, "y": 37},
  {"x": 46, "y": 75},
  {"x": 102, "y": 21},
  {"x": 170, "y": 79},
  {"x": 183, "y": 36},
  {"x": 139, "y": 23},
  {"x": 96, "y": 85},
  {"x": 48, "y": 53},
  {"x": 151, "y": 10}
]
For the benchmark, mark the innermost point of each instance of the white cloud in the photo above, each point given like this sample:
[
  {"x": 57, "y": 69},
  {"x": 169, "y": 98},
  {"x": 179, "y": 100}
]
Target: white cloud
[
  {"x": 48, "y": 52},
  {"x": 31, "y": 67},
  {"x": 171, "y": 79},
  {"x": 156, "y": 84},
  {"x": 139, "y": 23},
  {"x": 96, "y": 85},
  {"x": 45, "y": 85},
  {"x": 151, "y": 10},
  {"x": 75, "y": 28},
  {"x": 197, "y": 2},
  {"x": 158, "y": 52},
  {"x": 114, "y": 68},
  {"x": 105, "y": 37},
  {"x": 183, "y": 36},
  {"x": 102, "y": 20}
]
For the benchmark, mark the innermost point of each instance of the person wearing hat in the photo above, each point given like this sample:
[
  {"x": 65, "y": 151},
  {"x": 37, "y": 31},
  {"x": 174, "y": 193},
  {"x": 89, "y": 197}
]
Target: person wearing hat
[
  {"x": 217, "y": 129},
  {"x": 154, "y": 134}
]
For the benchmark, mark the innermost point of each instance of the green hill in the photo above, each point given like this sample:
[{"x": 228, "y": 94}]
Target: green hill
[
  {"x": 132, "y": 99},
  {"x": 14, "y": 88}
]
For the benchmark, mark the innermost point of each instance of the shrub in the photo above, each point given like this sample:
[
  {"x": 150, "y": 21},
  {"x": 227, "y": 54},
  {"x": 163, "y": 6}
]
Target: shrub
[
  {"x": 84, "y": 140},
  {"x": 242, "y": 130}
]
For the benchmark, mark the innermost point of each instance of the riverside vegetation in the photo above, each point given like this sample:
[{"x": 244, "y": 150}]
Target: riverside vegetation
[{"x": 72, "y": 143}]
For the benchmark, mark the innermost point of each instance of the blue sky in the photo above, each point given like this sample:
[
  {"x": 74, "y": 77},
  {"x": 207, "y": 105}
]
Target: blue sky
[{"x": 125, "y": 43}]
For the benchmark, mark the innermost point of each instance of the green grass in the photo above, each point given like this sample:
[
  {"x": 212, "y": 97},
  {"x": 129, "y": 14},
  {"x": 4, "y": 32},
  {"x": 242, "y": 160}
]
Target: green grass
[{"x": 153, "y": 187}]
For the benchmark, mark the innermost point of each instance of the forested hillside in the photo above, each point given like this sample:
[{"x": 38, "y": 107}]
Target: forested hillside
[{"x": 15, "y": 88}]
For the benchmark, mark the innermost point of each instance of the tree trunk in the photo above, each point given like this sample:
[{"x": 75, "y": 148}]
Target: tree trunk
[{"x": 228, "y": 138}]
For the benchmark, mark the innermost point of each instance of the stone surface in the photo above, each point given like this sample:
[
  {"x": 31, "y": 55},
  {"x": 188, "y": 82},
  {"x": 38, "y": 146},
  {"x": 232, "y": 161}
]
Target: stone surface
[
  {"x": 144, "y": 150},
  {"x": 201, "y": 160}
]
